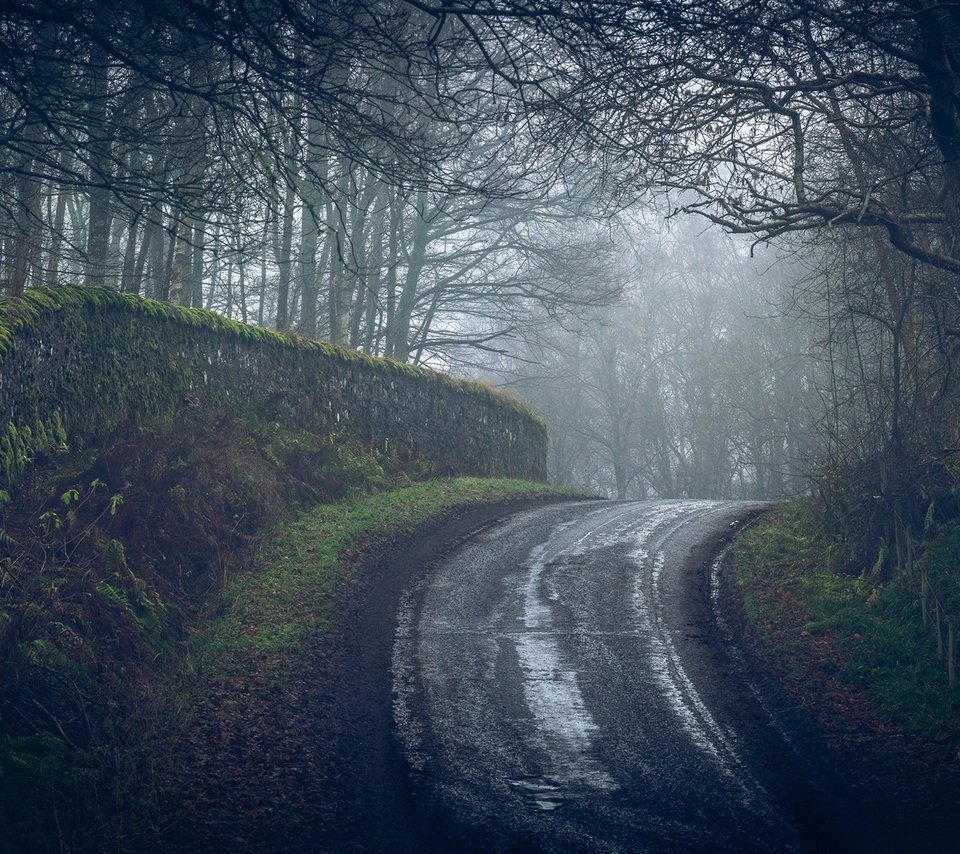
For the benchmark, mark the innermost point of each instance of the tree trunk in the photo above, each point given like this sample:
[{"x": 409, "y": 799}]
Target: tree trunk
[
  {"x": 136, "y": 280},
  {"x": 399, "y": 331},
  {"x": 28, "y": 242},
  {"x": 178, "y": 293},
  {"x": 196, "y": 266},
  {"x": 285, "y": 262},
  {"x": 373, "y": 282},
  {"x": 358, "y": 247},
  {"x": 396, "y": 201},
  {"x": 261, "y": 305},
  {"x": 130, "y": 255},
  {"x": 28, "y": 212},
  {"x": 157, "y": 282},
  {"x": 340, "y": 279},
  {"x": 310, "y": 219},
  {"x": 242, "y": 288},
  {"x": 99, "y": 214},
  {"x": 56, "y": 238},
  {"x": 228, "y": 309},
  {"x": 166, "y": 281}
]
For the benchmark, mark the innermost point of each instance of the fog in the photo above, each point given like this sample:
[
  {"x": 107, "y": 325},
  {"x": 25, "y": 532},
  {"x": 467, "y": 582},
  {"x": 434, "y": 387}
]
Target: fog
[{"x": 720, "y": 263}]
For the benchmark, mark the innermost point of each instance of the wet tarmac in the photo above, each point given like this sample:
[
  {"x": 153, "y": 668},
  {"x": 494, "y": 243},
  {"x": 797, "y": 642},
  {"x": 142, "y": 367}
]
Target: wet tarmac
[{"x": 557, "y": 687}]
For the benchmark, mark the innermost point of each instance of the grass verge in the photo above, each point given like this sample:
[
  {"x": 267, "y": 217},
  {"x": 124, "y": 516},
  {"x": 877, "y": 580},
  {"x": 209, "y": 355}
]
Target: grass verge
[
  {"x": 847, "y": 646},
  {"x": 292, "y": 593}
]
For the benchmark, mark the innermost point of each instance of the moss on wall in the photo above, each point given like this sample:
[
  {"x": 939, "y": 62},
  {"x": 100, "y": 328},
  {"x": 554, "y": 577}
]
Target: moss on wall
[{"x": 76, "y": 364}]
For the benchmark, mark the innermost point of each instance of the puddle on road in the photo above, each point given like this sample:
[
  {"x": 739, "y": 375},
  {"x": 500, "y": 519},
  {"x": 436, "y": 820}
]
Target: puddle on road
[{"x": 540, "y": 792}]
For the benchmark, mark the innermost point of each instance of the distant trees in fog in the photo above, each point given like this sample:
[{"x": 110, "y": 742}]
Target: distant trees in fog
[
  {"x": 428, "y": 180},
  {"x": 830, "y": 128},
  {"x": 695, "y": 384}
]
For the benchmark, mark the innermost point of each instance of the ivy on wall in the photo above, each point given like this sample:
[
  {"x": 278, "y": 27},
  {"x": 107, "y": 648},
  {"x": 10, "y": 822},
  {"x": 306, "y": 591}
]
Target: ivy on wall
[{"x": 77, "y": 364}]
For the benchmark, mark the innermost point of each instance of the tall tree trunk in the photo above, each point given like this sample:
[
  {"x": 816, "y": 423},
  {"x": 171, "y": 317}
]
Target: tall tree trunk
[
  {"x": 99, "y": 214},
  {"x": 158, "y": 253},
  {"x": 373, "y": 282},
  {"x": 228, "y": 308},
  {"x": 340, "y": 279},
  {"x": 358, "y": 244},
  {"x": 309, "y": 229},
  {"x": 285, "y": 261},
  {"x": 397, "y": 200},
  {"x": 242, "y": 289},
  {"x": 326, "y": 255},
  {"x": 285, "y": 253},
  {"x": 310, "y": 219},
  {"x": 136, "y": 280},
  {"x": 263, "y": 270},
  {"x": 28, "y": 216},
  {"x": 196, "y": 266},
  {"x": 166, "y": 282},
  {"x": 214, "y": 266},
  {"x": 56, "y": 235},
  {"x": 130, "y": 255},
  {"x": 399, "y": 331},
  {"x": 28, "y": 230},
  {"x": 178, "y": 293}
]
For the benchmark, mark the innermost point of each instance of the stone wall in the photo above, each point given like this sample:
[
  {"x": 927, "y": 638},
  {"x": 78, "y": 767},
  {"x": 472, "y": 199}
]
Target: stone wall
[{"x": 77, "y": 364}]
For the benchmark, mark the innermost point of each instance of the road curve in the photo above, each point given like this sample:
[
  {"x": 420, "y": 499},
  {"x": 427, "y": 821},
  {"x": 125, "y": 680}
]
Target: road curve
[{"x": 555, "y": 689}]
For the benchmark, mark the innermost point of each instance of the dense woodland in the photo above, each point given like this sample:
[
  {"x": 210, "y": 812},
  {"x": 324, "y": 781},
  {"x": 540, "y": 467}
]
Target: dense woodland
[
  {"x": 714, "y": 243},
  {"x": 482, "y": 187}
]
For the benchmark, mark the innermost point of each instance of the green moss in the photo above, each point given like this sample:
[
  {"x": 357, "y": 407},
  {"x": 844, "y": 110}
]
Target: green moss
[
  {"x": 93, "y": 360},
  {"x": 19, "y": 446}
]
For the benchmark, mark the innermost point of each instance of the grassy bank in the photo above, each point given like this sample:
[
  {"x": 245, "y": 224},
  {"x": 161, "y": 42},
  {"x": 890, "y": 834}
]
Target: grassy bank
[
  {"x": 311, "y": 559},
  {"x": 850, "y": 647}
]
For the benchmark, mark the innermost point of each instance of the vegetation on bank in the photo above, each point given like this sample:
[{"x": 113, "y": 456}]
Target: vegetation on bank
[
  {"x": 312, "y": 558},
  {"x": 113, "y": 558},
  {"x": 850, "y": 641}
]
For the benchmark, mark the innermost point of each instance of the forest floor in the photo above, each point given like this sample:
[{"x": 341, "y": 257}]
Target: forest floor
[{"x": 853, "y": 659}]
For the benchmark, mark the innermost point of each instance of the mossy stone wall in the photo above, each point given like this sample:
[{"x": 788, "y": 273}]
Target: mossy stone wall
[{"x": 77, "y": 364}]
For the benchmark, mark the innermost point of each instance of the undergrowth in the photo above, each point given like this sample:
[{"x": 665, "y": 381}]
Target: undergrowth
[
  {"x": 109, "y": 559},
  {"x": 855, "y": 640}
]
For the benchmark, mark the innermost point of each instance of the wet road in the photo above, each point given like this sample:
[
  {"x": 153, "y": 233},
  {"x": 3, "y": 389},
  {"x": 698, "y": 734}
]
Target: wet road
[{"x": 555, "y": 690}]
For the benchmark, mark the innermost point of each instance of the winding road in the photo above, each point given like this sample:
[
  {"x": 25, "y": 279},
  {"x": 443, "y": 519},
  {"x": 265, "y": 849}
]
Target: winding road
[{"x": 559, "y": 683}]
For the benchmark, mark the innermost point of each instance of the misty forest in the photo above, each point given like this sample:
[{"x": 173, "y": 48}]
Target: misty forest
[{"x": 715, "y": 245}]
